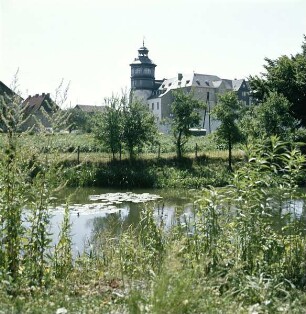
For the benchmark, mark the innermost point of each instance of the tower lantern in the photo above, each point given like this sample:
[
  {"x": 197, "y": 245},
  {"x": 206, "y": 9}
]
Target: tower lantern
[{"x": 142, "y": 71}]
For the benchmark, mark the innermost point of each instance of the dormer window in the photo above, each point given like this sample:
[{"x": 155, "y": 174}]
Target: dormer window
[
  {"x": 198, "y": 82},
  {"x": 188, "y": 81},
  {"x": 169, "y": 84}
]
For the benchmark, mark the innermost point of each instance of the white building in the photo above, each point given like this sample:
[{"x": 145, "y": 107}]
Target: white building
[{"x": 158, "y": 93}]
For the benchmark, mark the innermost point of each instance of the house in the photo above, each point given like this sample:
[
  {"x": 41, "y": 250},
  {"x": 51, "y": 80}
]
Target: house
[
  {"x": 38, "y": 109},
  {"x": 157, "y": 94}
]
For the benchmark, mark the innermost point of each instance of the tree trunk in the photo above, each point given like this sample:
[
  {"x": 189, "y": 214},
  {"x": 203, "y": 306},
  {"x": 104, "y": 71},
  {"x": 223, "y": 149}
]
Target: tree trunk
[
  {"x": 178, "y": 145},
  {"x": 230, "y": 153}
]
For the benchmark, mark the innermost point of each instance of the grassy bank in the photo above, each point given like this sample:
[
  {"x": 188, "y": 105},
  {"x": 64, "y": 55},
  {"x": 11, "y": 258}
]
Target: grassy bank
[{"x": 151, "y": 173}]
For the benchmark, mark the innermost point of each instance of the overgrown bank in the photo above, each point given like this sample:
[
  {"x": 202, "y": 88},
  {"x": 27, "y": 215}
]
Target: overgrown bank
[{"x": 151, "y": 173}]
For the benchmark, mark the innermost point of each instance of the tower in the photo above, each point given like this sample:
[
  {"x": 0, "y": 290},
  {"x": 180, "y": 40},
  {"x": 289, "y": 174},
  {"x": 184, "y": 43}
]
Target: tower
[{"x": 142, "y": 74}]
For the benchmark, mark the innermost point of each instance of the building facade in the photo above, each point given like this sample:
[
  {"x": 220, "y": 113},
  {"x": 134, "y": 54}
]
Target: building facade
[{"x": 157, "y": 94}]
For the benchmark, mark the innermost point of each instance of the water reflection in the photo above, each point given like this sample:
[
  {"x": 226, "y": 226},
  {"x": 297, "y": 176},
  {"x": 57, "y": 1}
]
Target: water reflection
[
  {"x": 174, "y": 205},
  {"x": 87, "y": 224}
]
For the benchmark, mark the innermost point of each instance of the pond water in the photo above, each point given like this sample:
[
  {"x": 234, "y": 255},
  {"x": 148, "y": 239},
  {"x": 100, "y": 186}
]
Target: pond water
[{"x": 96, "y": 209}]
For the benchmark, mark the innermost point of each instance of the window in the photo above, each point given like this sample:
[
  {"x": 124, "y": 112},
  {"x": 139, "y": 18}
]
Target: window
[
  {"x": 152, "y": 105},
  {"x": 147, "y": 71},
  {"x": 188, "y": 81},
  {"x": 244, "y": 94},
  {"x": 138, "y": 71},
  {"x": 157, "y": 104},
  {"x": 198, "y": 82}
]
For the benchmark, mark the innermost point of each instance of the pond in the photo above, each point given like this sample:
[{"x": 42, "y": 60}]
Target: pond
[
  {"x": 96, "y": 209},
  {"x": 93, "y": 210}
]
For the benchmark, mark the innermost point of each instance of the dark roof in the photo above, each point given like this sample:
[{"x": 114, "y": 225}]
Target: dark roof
[
  {"x": 143, "y": 57},
  {"x": 34, "y": 103},
  {"x": 90, "y": 109},
  {"x": 5, "y": 90}
]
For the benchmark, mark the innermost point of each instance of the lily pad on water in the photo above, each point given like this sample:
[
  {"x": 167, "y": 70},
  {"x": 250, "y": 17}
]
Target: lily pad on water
[
  {"x": 118, "y": 198},
  {"x": 109, "y": 202}
]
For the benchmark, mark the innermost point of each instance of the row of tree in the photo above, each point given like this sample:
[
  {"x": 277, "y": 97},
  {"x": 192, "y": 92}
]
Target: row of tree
[{"x": 279, "y": 98}]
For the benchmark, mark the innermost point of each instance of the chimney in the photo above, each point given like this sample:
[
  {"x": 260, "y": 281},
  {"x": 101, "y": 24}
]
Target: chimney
[
  {"x": 43, "y": 94},
  {"x": 179, "y": 76},
  {"x": 36, "y": 95}
]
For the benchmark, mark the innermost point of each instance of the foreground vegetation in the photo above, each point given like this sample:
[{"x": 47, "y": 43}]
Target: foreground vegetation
[{"x": 229, "y": 256}]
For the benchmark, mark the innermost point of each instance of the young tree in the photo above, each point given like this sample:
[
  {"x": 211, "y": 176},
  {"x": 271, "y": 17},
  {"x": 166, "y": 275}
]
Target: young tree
[
  {"x": 185, "y": 112},
  {"x": 108, "y": 127},
  {"x": 227, "y": 112},
  {"x": 139, "y": 126},
  {"x": 77, "y": 120}
]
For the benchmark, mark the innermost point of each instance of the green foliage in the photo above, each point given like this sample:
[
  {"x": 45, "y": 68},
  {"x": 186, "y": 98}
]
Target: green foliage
[
  {"x": 108, "y": 128},
  {"x": 286, "y": 76},
  {"x": 185, "y": 115},
  {"x": 139, "y": 126},
  {"x": 28, "y": 179},
  {"x": 62, "y": 258},
  {"x": 227, "y": 111},
  {"x": 127, "y": 125},
  {"x": 78, "y": 120},
  {"x": 156, "y": 173},
  {"x": 271, "y": 117}
]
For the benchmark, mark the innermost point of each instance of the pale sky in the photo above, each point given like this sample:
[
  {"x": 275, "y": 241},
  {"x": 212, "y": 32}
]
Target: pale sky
[{"x": 91, "y": 43}]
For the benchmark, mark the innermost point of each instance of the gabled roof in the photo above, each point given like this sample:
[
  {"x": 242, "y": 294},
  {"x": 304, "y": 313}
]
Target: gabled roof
[
  {"x": 34, "y": 103},
  {"x": 199, "y": 80},
  {"x": 5, "y": 90},
  {"x": 237, "y": 84},
  {"x": 90, "y": 109}
]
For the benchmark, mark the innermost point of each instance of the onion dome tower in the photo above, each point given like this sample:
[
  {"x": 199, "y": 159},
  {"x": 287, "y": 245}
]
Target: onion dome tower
[{"x": 142, "y": 74}]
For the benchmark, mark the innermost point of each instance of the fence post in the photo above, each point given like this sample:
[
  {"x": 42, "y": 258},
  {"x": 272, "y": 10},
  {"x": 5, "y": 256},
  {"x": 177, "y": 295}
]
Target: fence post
[{"x": 78, "y": 154}]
